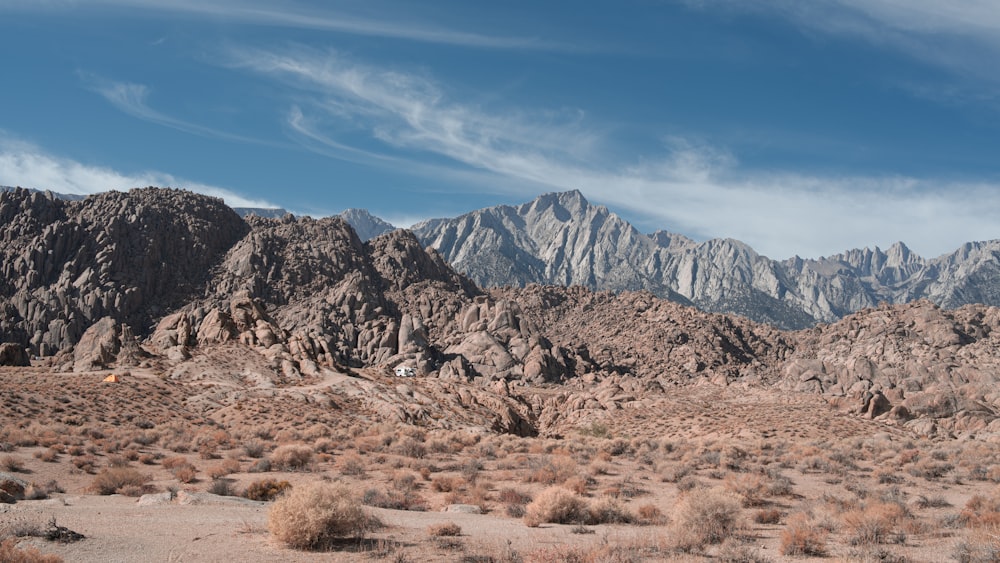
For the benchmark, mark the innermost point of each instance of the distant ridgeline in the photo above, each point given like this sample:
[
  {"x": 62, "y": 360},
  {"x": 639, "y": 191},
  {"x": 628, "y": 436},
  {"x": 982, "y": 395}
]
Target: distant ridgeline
[{"x": 561, "y": 239}]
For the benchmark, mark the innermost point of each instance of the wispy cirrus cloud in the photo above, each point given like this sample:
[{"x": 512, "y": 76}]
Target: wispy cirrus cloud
[
  {"x": 131, "y": 98},
  {"x": 691, "y": 187},
  {"x": 25, "y": 164},
  {"x": 299, "y": 16},
  {"x": 959, "y": 36}
]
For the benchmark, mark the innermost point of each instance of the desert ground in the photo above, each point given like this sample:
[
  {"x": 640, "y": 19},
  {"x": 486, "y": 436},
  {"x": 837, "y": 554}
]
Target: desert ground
[{"x": 187, "y": 468}]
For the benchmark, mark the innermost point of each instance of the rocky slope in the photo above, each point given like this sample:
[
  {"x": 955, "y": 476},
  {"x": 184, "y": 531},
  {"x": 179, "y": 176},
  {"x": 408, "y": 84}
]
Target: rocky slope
[
  {"x": 561, "y": 239},
  {"x": 127, "y": 256},
  {"x": 365, "y": 224},
  {"x": 178, "y": 283}
]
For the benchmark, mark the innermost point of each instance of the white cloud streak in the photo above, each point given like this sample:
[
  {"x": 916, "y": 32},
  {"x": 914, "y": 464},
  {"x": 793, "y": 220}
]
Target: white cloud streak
[
  {"x": 130, "y": 98},
  {"x": 696, "y": 189},
  {"x": 297, "y": 16},
  {"x": 27, "y": 165},
  {"x": 959, "y": 36}
]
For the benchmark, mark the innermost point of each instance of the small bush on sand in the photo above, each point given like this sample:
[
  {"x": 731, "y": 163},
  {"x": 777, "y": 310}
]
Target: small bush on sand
[
  {"x": 314, "y": 515},
  {"x": 12, "y": 463},
  {"x": 266, "y": 489},
  {"x": 874, "y": 524},
  {"x": 708, "y": 517},
  {"x": 291, "y": 457},
  {"x": 224, "y": 468},
  {"x": 10, "y": 553},
  {"x": 111, "y": 479},
  {"x": 609, "y": 511},
  {"x": 444, "y": 529},
  {"x": 555, "y": 505},
  {"x": 803, "y": 537}
]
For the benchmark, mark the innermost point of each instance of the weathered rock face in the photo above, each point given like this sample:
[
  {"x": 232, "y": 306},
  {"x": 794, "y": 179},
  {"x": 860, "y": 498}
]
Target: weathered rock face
[
  {"x": 365, "y": 224},
  {"x": 561, "y": 239},
  {"x": 116, "y": 277},
  {"x": 657, "y": 341},
  {"x": 13, "y": 355},
  {"x": 932, "y": 369},
  {"x": 128, "y": 256}
]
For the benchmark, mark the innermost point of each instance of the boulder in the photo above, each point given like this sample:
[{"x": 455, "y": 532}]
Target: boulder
[{"x": 12, "y": 354}]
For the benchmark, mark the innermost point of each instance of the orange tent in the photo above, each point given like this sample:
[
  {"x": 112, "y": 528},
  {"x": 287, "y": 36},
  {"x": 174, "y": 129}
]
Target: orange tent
[{"x": 111, "y": 379}]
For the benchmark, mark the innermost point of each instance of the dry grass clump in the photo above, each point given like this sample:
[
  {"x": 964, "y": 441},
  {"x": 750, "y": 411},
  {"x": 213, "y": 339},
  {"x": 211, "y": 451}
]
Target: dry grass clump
[
  {"x": 291, "y": 457},
  {"x": 12, "y": 463},
  {"x": 113, "y": 480},
  {"x": 444, "y": 529},
  {"x": 982, "y": 511},
  {"x": 10, "y": 553},
  {"x": 314, "y": 515},
  {"x": 555, "y": 505},
  {"x": 650, "y": 514},
  {"x": 767, "y": 516},
  {"x": 609, "y": 511},
  {"x": 224, "y": 468},
  {"x": 352, "y": 464},
  {"x": 979, "y": 546},
  {"x": 875, "y": 524},
  {"x": 266, "y": 489},
  {"x": 803, "y": 536},
  {"x": 552, "y": 470},
  {"x": 708, "y": 517}
]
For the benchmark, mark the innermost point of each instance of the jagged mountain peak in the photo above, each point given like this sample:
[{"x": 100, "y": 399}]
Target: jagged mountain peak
[
  {"x": 367, "y": 226},
  {"x": 560, "y": 238}
]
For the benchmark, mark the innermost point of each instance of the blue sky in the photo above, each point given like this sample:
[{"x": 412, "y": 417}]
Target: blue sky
[{"x": 801, "y": 128}]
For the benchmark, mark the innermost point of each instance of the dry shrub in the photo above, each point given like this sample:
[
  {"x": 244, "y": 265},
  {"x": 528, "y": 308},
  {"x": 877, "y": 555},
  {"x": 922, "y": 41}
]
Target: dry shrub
[
  {"x": 982, "y": 511},
  {"x": 224, "y": 468},
  {"x": 291, "y": 457},
  {"x": 174, "y": 462},
  {"x": 874, "y": 524},
  {"x": 981, "y": 545},
  {"x": 732, "y": 551},
  {"x": 444, "y": 484},
  {"x": 49, "y": 455},
  {"x": 552, "y": 470},
  {"x": 767, "y": 516},
  {"x": 10, "y": 553},
  {"x": 650, "y": 514},
  {"x": 577, "y": 484},
  {"x": 802, "y": 536},
  {"x": 708, "y": 517},
  {"x": 254, "y": 448},
  {"x": 12, "y": 463},
  {"x": 352, "y": 464},
  {"x": 185, "y": 473},
  {"x": 674, "y": 472},
  {"x": 85, "y": 463},
  {"x": 444, "y": 529},
  {"x": 111, "y": 479},
  {"x": 608, "y": 511},
  {"x": 751, "y": 488},
  {"x": 314, "y": 515},
  {"x": 266, "y": 489},
  {"x": 410, "y": 447},
  {"x": 555, "y": 505}
]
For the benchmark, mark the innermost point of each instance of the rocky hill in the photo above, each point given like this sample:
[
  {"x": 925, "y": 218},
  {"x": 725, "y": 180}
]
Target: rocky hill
[
  {"x": 562, "y": 239},
  {"x": 180, "y": 281},
  {"x": 131, "y": 257}
]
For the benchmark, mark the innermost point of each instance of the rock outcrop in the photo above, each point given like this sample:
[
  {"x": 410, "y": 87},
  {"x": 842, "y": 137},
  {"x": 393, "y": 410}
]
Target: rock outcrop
[
  {"x": 13, "y": 355},
  {"x": 920, "y": 365},
  {"x": 128, "y": 256}
]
